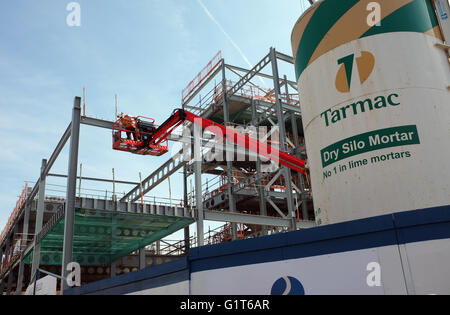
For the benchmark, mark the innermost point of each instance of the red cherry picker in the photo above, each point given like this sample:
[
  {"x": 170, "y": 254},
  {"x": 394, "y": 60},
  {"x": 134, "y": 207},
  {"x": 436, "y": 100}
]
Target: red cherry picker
[{"x": 150, "y": 139}]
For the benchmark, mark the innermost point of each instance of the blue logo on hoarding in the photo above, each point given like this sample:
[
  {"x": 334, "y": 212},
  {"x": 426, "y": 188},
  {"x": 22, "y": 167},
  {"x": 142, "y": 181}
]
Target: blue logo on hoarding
[
  {"x": 443, "y": 14},
  {"x": 287, "y": 286}
]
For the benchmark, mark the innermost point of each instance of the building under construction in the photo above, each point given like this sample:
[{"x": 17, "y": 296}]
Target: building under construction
[
  {"x": 116, "y": 235},
  {"x": 373, "y": 152}
]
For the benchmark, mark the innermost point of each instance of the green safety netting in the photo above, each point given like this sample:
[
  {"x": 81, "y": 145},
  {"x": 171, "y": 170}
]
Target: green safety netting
[{"x": 101, "y": 237}]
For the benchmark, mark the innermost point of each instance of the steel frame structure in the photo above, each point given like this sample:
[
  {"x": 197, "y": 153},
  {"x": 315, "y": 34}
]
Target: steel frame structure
[
  {"x": 283, "y": 110},
  {"x": 262, "y": 112}
]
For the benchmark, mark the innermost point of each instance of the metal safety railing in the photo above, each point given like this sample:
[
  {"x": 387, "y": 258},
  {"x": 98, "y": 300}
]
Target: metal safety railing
[
  {"x": 15, "y": 213},
  {"x": 12, "y": 256},
  {"x": 250, "y": 91},
  {"x": 218, "y": 235},
  {"x": 201, "y": 76}
]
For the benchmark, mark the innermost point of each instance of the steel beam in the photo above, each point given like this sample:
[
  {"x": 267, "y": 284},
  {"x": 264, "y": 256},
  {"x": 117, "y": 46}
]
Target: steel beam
[
  {"x": 152, "y": 180},
  {"x": 246, "y": 218},
  {"x": 71, "y": 191},
  {"x": 167, "y": 169},
  {"x": 287, "y": 59},
  {"x": 263, "y": 75},
  {"x": 276, "y": 208},
  {"x": 94, "y": 122},
  {"x": 306, "y": 224},
  {"x": 50, "y": 163},
  {"x": 97, "y": 179},
  {"x": 250, "y": 75},
  {"x": 62, "y": 142}
]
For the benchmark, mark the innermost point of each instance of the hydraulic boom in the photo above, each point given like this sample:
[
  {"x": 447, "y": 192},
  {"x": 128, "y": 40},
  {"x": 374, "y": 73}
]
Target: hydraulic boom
[{"x": 156, "y": 140}]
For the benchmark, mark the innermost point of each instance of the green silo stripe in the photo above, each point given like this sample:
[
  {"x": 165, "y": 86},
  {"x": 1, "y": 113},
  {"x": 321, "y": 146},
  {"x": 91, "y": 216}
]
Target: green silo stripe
[
  {"x": 417, "y": 16},
  {"x": 326, "y": 15}
]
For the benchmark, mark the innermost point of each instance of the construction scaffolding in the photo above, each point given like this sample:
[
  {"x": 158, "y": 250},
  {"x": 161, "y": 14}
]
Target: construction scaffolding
[{"x": 248, "y": 195}]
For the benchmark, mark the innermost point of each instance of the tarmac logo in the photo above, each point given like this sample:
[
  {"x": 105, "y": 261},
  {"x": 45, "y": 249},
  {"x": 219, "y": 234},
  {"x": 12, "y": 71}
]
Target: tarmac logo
[{"x": 365, "y": 65}]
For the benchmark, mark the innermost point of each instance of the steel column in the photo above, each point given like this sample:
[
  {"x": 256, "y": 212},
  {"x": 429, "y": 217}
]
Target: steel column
[
  {"x": 187, "y": 236},
  {"x": 39, "y": 219},
  {"x": 199, "y": 201},
  {"x": 259, "y": 182},
  {"x": 7, "y": 248},
  {"x": 11, "y": 270},
  {"x": 26, "y": 221},
  {"x": 298, "y": 154},
  {"x": 281, "y": 123},
  {"x": 198, "y": 183},
  {"x": 113, "y": 265},
  {"x": 229, "y": 157},
  {"x": 71, "y": 191},
  {"x": 112, "y": 269},
  {"x": 1, "y": 279},
  {"x": 142, "y": 258},
  {"x": 10, "y": 281}
]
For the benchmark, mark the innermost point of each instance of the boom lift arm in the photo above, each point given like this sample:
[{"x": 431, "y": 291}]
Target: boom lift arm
[{"x": 161, "y": 134}]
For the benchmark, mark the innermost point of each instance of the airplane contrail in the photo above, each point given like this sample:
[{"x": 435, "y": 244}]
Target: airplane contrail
[{"x": 209, "y": 14}]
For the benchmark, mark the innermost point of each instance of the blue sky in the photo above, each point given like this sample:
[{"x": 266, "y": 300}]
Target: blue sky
[{"x": 147, "y": 51}]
